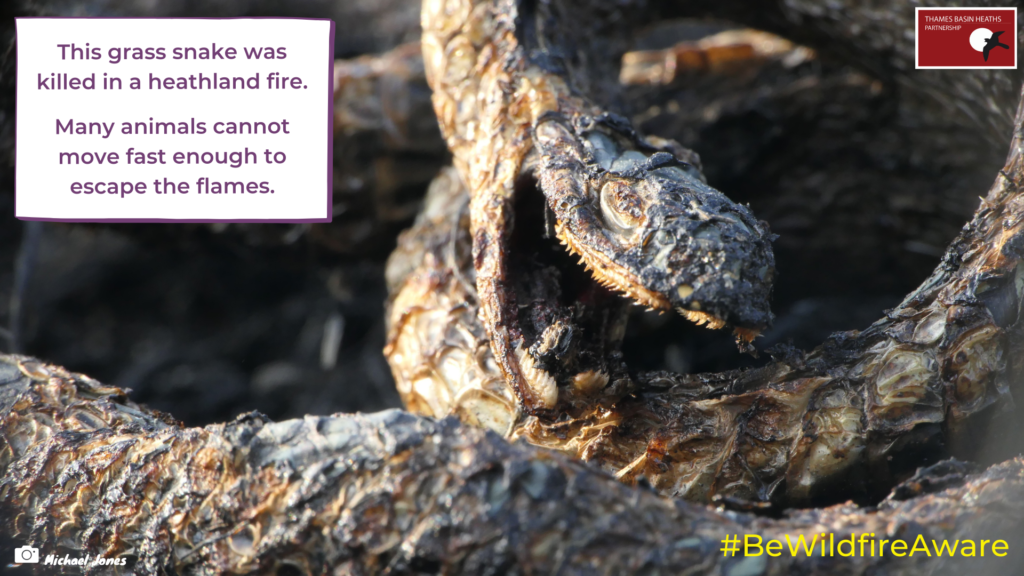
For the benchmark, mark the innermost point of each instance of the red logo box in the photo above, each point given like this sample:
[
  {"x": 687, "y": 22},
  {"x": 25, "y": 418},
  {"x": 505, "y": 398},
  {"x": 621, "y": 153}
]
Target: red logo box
[{"x": 966, "y": 37}]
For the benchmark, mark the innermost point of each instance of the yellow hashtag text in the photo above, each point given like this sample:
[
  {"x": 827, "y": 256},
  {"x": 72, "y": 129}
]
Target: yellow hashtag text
[{"x": 862, "y": 544}]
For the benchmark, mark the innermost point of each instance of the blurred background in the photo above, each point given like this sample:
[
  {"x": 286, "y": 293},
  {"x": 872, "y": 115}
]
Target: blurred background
[{"x": 864, "y": 182}]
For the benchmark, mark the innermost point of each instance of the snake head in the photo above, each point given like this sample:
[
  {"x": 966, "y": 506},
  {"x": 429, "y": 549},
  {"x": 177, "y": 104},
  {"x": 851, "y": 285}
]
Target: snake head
[{"x": 646, "y": 224}]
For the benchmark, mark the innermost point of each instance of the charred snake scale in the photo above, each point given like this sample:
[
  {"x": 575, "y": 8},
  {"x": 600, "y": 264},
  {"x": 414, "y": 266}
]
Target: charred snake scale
[{"x": 486, "y": 326}]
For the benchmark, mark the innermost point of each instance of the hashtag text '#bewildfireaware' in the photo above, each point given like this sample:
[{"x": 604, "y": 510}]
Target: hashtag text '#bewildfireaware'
[{"x": 863, "y": 544}]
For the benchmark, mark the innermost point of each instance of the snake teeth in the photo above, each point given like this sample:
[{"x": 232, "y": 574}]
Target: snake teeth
[
  {"x": 542, "y": 384},
  {"x": 702, "y": 318},
  {"x": 590, "y": 382}
]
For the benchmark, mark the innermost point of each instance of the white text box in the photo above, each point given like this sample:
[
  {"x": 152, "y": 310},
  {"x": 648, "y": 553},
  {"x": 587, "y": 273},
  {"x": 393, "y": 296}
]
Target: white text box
[{"x": 160, "y": 119}]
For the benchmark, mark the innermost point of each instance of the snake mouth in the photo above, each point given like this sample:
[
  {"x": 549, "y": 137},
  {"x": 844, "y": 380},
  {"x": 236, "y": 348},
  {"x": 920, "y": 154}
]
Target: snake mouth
[
  {"x": 616, "y": 279},
  {"x": 612, "y": 276},
  {"x": 694, "y": 301}
]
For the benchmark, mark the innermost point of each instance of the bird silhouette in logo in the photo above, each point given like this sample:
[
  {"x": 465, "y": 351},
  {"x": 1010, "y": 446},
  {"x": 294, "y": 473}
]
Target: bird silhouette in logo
[{"x": 993, "y": 42}]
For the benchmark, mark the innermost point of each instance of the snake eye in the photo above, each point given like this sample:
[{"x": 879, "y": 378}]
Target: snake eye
[{"x": 621, "y": 207}]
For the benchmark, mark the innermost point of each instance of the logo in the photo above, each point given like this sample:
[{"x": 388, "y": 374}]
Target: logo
[
  {"x": 26, "y": 555},
  {"x": 983, "y": 40},
  {"x": 968, "y": 38}
]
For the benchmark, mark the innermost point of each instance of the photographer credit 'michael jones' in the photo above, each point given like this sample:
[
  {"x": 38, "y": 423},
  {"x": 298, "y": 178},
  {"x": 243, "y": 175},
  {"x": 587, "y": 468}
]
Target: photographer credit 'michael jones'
[{"x": 30, "y": 555}]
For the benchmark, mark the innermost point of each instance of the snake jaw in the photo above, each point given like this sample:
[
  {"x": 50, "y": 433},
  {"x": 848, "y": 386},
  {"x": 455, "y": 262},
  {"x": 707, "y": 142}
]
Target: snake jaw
[
  {"x": 610, "y": 275},
  {"x": 648, "y": 226},
  {"x": 542, "y": 385}
]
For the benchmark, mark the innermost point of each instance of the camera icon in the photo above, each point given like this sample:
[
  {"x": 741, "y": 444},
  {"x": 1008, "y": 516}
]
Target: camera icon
[{"x": 26, "y": 555}]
